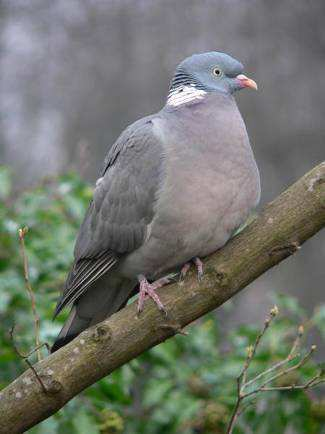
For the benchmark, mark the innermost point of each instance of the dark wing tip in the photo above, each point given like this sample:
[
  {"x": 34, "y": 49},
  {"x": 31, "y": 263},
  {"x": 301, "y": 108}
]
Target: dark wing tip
[
  {"x": 57, "y": 310},
  {"x": 59, "y": 343},
  {"x": 81, "y": 277}
]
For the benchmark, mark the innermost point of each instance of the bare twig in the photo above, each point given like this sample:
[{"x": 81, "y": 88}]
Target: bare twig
[
  {"x": 246, "y": 406},
  {"x": 25, "y": 357},
  {"x": 22, "y": 232},
  {"x": 278, "y": 370},
  {"x": 291, "y": 356},
  {"x": 242, "y": 378},
  {"x": 252, "y": 349},
  {"x": 282, "y": 373},
  {"x": 311, "y": 383}
]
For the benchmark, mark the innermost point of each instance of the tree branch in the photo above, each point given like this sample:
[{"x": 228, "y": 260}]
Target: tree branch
[{"x": 281, "y": 228}]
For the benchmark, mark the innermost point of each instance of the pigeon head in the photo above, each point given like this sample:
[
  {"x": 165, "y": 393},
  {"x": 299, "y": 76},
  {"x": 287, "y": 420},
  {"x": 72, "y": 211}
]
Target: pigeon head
[{"x": 209, "y": 72}]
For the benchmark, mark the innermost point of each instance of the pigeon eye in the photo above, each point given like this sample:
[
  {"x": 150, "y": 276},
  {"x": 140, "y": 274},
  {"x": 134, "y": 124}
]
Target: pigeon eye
[{"x": 217, "y": 72}]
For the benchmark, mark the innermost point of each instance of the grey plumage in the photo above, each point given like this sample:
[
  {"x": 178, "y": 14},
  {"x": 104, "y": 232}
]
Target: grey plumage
[
  {"x": 175, "y": 185},
  {"x": 122, "y": 208}
]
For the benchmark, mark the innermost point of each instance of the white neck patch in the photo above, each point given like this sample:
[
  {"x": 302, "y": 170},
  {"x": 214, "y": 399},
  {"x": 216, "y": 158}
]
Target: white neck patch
[{"x": 184, "y": 94}]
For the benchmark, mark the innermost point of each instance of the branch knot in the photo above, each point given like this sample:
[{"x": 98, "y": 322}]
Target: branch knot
[
  {"x": 101, "y": 333},
  {"x": 52, "y": 386}
]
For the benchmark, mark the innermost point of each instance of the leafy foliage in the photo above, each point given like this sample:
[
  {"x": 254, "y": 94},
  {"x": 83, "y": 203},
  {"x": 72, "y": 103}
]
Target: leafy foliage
[{"x": 185, "y": 385}]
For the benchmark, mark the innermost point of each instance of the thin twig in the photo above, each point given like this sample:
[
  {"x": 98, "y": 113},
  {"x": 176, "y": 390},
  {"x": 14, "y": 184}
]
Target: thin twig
[
  {"x": 273, "y": 368},
  {"x": 249, "y": 404},
  {"x": 296, "y": 342},
  {"x": 25, "y": 358},
  {"x": 252, "y": 350},
  {"x": 235, "y": 412},
  {"x": 308, "y": 385},
  {"x": 291, "y": 356},
  {"x": 242, "y": 382},
  {"x": 242, "y": 377},
  {"x": 282, "y": 373},
  {"x": 22, "y": 232}
]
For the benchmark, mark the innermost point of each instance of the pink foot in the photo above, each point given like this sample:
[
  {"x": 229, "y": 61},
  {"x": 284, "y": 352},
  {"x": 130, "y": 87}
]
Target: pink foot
[
  {"x": 149, "y": 290},
  {"x": 184, "y": 270},
  {"x": 199, "y": 266}
]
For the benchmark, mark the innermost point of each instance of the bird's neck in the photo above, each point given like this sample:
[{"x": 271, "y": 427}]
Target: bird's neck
[
  {"x": 191, "y": 101},
  {"x": 185, "y": 89},
  {"x": 184, "y": 94}
]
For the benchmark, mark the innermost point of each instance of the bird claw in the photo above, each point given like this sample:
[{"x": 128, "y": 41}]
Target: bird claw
[
  {"x": 148, "y": 290},
  {"x": 184, "y": 271},
  {"x": 199, "y": 267}
]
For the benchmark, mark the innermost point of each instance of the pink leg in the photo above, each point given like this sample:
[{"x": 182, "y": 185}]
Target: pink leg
[
  {"x": 149, "y": 290},
  {"x": 184, "y": 270},
  {"x": 199, "y": 266}
]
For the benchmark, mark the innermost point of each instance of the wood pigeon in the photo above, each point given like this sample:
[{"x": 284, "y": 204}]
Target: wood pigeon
[{"x": 175, "y": 186}]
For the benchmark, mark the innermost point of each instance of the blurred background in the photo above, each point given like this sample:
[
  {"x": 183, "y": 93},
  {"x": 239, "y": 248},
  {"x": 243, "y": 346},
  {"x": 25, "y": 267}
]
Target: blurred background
[{"x": 75, "y": 73}]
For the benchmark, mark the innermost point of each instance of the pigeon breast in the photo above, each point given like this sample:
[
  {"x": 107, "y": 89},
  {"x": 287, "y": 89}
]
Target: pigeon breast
[{"x": 211, "y": 184}]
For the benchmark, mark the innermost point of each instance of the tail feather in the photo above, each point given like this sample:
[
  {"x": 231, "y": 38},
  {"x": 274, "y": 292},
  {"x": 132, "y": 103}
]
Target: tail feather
[
  {"x": 60, "y": 342},
  {"x": 106, "y": 296},
  {"x": 71, "y": 329}
]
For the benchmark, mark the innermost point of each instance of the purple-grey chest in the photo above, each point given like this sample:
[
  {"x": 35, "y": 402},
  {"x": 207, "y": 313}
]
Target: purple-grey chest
[{"x": 211, "y": 181}]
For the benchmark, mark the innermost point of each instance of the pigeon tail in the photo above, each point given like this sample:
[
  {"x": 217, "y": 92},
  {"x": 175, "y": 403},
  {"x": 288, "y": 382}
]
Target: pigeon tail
[
  {"x": 61, "y": 342},
  {"x": 71, "y": 329}
]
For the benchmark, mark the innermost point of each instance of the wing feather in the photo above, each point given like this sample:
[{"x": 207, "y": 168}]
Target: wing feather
[
  {"x": 87, "y": 274},
  {"x": 122, "y": 208}
]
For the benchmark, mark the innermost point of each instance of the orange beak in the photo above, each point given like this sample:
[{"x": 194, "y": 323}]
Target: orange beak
[{"x": 246, "y": 82}]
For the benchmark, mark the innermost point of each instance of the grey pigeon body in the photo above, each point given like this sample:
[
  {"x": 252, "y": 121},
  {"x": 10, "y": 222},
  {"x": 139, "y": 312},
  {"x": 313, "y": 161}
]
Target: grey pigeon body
[{"x": 175, "y": 185}]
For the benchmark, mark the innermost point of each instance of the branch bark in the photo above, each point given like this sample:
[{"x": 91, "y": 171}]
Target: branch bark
[{"x": 278, "y": 232}]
